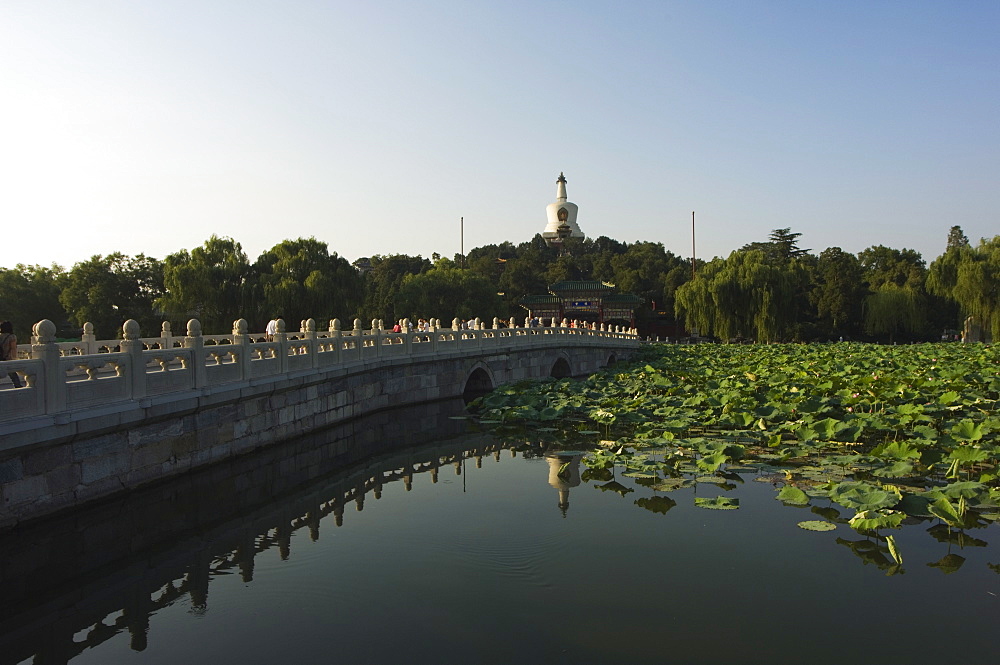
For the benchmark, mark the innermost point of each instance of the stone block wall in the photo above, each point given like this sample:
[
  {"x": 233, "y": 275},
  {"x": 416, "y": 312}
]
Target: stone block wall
[{"x": 96, "y": 454}]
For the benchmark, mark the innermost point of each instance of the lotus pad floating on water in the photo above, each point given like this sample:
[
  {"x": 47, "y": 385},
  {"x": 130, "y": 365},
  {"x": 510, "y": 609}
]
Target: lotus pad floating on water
[
  {"x": 718, "y": 503},
  {"x": 817, "y": 525}
]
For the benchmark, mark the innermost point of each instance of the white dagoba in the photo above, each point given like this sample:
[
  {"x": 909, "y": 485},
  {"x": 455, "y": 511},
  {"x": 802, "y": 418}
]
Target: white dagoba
[{"x": 561, "y": 212}]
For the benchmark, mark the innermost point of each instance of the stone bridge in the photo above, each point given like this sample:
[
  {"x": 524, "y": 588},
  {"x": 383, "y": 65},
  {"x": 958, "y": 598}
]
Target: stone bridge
[{"x": 97, "y": 417}]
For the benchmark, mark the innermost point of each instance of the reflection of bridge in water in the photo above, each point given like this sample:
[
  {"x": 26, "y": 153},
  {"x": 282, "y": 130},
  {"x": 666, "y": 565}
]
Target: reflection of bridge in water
[
  {"x": 90, "y": 424},
  {"x": 72, "y": 583}
]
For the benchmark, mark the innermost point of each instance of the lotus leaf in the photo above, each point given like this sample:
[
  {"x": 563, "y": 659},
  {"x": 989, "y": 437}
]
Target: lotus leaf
[
  {"x": 949, "y": 397},
  {"x": 793, "y": 495},
  {"x": 718, "y": 503},
  {"x": 862, "y": 496},
  {"x": 945, "y": 510},
  {"x": 970, "y": 490},
  {"x": 897, "y": 556},
  {"x": 816, "y": 525},
  {"x": 965, "y": 454},
  {"x": 896, "y": 470},
  {"x": 897, "y": 450},
  {"x": 872, "y": 520},
  {"x": 915, "y": 504},
  {"x": 712, "y": 462},
  {"x": 967, "y": 431}
]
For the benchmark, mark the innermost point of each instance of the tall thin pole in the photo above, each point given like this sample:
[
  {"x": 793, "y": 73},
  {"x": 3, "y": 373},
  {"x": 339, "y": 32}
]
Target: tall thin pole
[
  {"x": 693, "y": 254},
  {"x": 462, "y": 236}
]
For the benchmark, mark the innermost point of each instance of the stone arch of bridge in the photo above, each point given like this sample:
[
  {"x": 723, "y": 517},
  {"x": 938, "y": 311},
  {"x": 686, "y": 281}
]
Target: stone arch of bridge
[
  {"x": 612, "y": 359},
  {"x": 562, "y": 367},
  {"x": 479, "y": 381}
]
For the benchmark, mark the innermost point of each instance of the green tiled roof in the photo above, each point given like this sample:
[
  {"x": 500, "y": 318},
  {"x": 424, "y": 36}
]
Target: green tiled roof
[
  {"x": 540, "y": 300},
  {"x": 581, "y": 286}
]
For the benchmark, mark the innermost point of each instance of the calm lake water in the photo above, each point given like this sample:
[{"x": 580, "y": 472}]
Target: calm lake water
[{"x": 409, "y": 537}]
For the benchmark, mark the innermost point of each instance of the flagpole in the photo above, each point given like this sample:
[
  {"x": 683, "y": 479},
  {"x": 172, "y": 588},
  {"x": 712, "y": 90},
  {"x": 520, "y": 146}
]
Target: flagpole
[{"x": 693, "y": 255}]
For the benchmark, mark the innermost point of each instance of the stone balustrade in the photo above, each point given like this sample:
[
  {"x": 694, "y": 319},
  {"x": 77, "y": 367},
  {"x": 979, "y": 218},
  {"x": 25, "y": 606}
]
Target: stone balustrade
[{"x": 62, "y": 377}]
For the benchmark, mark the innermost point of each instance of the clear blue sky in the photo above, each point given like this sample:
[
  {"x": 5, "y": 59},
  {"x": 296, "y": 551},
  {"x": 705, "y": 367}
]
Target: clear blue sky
[{"x": 374, "y": 126}]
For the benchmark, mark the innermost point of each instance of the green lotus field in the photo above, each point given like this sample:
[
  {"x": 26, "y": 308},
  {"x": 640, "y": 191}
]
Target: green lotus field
[{"x": 871, "y": 438}]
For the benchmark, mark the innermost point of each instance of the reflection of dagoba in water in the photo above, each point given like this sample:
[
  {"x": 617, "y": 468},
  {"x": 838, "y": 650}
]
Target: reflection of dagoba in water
[{"x": 564, "y": 472}]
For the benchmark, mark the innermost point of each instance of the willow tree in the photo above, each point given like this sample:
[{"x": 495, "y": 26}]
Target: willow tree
[
  {"x": 892, "y": 311},
  {"x": 970, "y": 276},
  {"x": 208, "y": 283},
  {"x": 300, "y": 279},
  {"x": 744, "y": 295}
]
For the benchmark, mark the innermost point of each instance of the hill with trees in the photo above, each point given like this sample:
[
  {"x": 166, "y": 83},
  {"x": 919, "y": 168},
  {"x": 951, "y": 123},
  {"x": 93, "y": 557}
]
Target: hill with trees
[{"x": 766, "y": 291}]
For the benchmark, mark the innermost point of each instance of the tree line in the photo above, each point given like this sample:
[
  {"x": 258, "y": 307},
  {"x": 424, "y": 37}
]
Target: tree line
[{"x": 766, "y": 291}]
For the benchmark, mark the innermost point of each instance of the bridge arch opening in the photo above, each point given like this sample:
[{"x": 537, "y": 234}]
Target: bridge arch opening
[
  {"x": 561, "y": 369},
  {"x": 478, "y": 384},
  {"x": 612, "y": 359}
]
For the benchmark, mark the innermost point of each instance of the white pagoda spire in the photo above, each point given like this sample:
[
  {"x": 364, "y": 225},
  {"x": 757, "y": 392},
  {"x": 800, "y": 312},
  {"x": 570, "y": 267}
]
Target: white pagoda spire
[
  {"x": 561, "y": 188},
  {"x": 561, "y": 212}
]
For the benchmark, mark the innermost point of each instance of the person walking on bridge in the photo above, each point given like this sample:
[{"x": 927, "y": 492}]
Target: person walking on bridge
[{"x": 8, "y": 349}]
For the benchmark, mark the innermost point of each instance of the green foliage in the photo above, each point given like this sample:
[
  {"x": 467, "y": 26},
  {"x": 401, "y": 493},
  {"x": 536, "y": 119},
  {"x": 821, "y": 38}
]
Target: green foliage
[
  {"x": 816, "y": 525},
  {"x": 109, "y": 290},
  {"x": 300, "y": 279},
  {"x": 29, "y": 294},
  {"x": 383, "y": 281},
  {"x": 971, "y": 278},
  {"x": 745, "y": 295},
  {"x": 210, "y": 284},
  {"x": 838, "y": 291},
  {"x": 893, "y": 312},
  {"x": 832, "y": 423},
  {"x": 873, "y": 520},
  {"x": 446, "y": 292},
  {"x": 792, "y": 495},
  {"x": 717, "y": 503}
]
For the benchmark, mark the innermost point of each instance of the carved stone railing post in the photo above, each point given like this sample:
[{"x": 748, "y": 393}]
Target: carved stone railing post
[
  {"x": 456, "y": 324},
  {"x": 44, "y": 348},
  {"x": 241, "y": 340},
  {"x": 336, "y": 343},
  {"x": 88, "y": 340},
  {"x": 408, "y": 337},
  {"x": 359, "y": 338},
  {"x": 309, "y": 332},
  {"x": 131, "y": 346},
  {"x": 166, "y": 336},
  {"x": 376, "y": 337},
  {"x": 196, "y": 343},
  {"x": 281, "y": 338}
]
